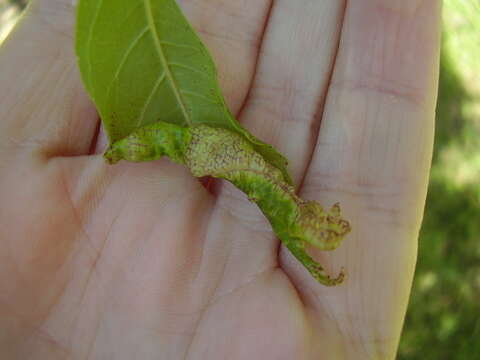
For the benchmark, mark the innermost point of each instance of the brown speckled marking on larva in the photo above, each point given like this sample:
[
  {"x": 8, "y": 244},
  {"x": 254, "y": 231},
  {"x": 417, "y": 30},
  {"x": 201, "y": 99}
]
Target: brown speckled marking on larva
[
  {"x": 322, "y": 228},
  {"x": 221, "y": 153},
  {"x": 321, "y": 273},
  {"x": 218, "y": 152}
]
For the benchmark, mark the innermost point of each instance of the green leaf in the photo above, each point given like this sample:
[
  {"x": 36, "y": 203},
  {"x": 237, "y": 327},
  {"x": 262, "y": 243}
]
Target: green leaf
[{"x": 142, "y": 63}]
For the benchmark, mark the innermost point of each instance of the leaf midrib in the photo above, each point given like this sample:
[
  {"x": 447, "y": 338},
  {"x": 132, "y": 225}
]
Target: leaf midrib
[{"x": 163, "y": 59}]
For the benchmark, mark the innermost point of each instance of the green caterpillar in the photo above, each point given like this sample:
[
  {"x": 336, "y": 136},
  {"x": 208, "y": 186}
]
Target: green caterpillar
[{"x": 221, "y": 153}]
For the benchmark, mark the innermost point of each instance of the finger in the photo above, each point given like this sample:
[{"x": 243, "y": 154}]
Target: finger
[
  {"x": 373, "y": 155},
  {"x": 43, "y": 105},
  {"x": 232, "y": 31},
  {"x": 292, "y": 75},
  {"x": 294, "y": 68}
]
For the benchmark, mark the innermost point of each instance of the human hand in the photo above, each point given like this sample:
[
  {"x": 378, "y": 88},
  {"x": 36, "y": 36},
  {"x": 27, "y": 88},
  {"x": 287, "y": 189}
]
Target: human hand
[{"x": 139, "y": 261}]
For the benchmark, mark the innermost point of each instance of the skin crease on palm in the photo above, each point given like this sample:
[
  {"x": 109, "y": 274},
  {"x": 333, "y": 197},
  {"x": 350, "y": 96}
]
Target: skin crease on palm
[{"x": 139, "y": 261}]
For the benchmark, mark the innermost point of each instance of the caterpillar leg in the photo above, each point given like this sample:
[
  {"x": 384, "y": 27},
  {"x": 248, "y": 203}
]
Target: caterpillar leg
[{"x": 317, "y": 271}]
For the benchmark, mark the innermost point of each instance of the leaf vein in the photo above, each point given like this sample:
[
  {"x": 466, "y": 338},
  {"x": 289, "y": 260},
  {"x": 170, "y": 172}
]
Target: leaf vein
[
  {"x": 163, "y": 59},
  {"x": 184, "y": 46},
  {"x": 183, "y": 66},
  {"x": 125, "y": 56},
  {"x": 198, "y": 95},
  {"x": 149, "y": 98}
]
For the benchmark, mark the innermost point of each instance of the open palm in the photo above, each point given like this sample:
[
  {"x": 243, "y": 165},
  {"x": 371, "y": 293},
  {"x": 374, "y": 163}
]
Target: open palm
[{"x": 140, "y": 261}]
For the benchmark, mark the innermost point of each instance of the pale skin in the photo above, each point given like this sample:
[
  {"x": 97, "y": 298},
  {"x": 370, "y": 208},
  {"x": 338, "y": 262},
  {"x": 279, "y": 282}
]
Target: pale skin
[{"x": 140, "y": 261}]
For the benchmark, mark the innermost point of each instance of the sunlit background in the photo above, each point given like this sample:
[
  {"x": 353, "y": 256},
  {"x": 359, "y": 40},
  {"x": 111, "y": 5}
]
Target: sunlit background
[{"x": 443, "y": 320}]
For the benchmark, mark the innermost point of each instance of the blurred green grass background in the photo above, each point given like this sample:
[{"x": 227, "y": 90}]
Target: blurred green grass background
[{"x": 443, "y": 318}]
